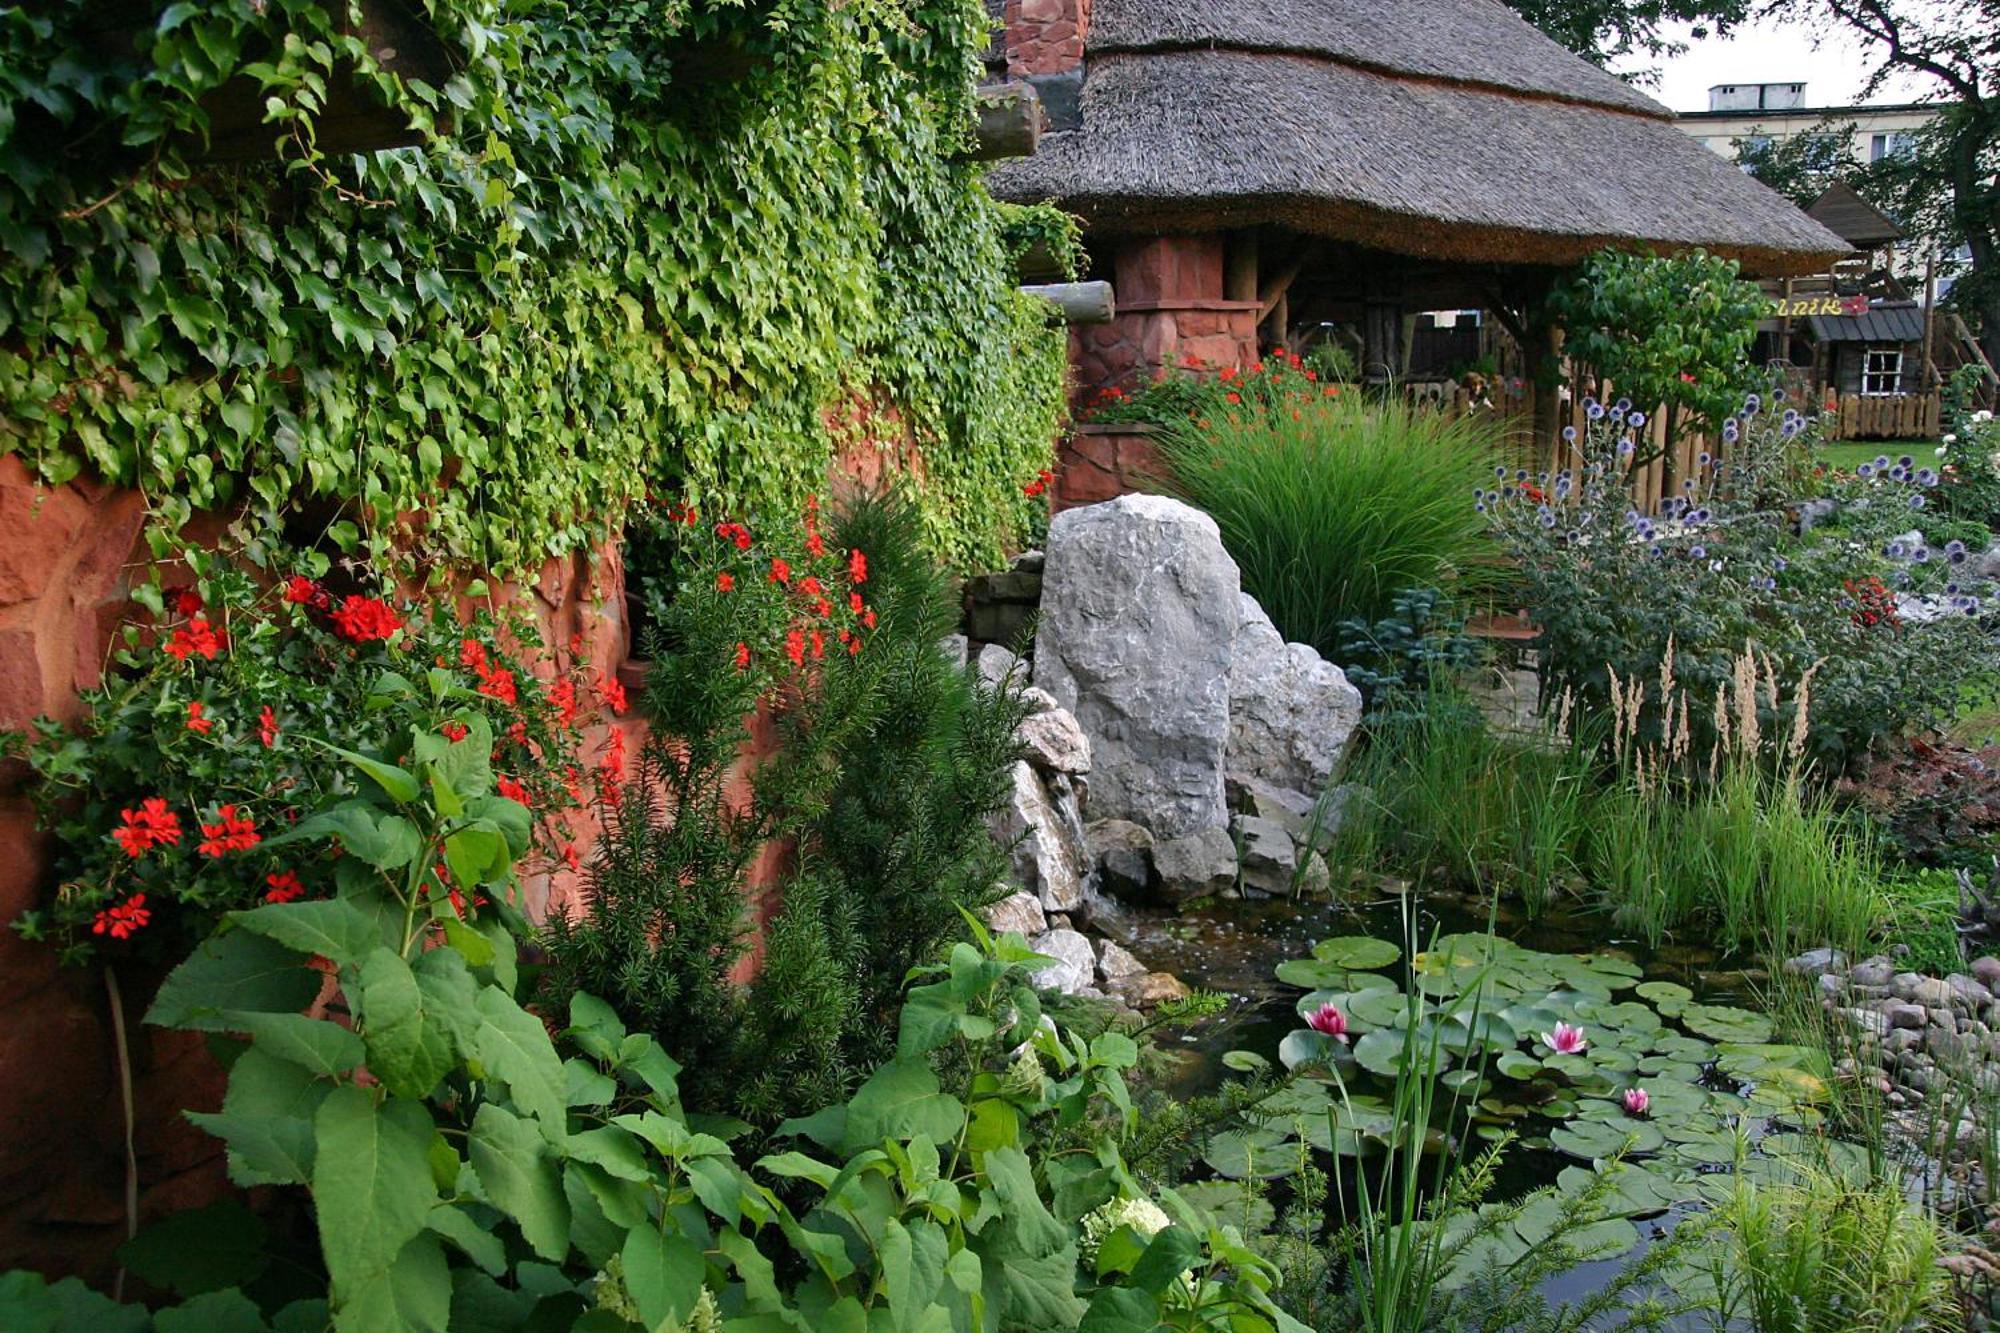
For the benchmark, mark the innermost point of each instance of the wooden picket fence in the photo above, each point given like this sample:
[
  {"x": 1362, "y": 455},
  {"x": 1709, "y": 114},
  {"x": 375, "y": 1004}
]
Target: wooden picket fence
[{"x": 1894, "y": 416}]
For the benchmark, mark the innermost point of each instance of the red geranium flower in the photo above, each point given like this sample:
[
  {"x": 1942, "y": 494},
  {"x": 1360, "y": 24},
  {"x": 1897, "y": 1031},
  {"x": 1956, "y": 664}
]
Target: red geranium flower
[
  {"x": 301, "y": 591},
  {"x": 809, "y": 586},
  {"x": 121, "y": 921},
  {"x": 815, "y": 544},
  {"x": 780, "y": 571},
  {"x": 513, "y": 790},
  {"x": 742, "y": 657},
  {"x": 267, "y": 727},
  {"x": 795, "y": 647},
  {"x": 819, "y": 645},
  {"x": 570, "y": 857},
  {"x": 151, "y": 825},
  {"x": 498, "y": 683},
  {"x": 230, "y": 833},
  {"x": 854, "y": 602},
  {"x": 365, "y": 620},
  {"x": 611, "y": 764},
  {"x": 187, "y": 601},
  {"x": 471, "y": 653},
  {"x": 725, "y": 582},
  {"x": 196, "y": 722},
  {"x": 284, "y": 887},
  {"x": 611, "y": 694},
  {"x": 454, "y": 731},
  {"x": 857, "y": 567},
  {"x": 197, "y": 639}
]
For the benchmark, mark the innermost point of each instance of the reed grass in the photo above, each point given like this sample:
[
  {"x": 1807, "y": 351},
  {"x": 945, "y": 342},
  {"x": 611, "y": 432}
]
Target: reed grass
[{"x": 1333, "y": 506}]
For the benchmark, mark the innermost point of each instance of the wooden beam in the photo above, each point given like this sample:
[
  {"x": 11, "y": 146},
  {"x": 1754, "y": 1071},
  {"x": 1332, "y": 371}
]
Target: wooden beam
[
  {"x": 1010, "y": 122},
  {"x": 1274, "y": 291},
  {"x": 1239, "y": 273},
  {"x": 1079, "y": 302}
]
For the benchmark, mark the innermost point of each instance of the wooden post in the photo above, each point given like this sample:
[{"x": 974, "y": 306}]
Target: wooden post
[
  {"x": 1079, "y": 302},
  {"x": 1930, "y": 322},
  {"x": 1785, "y": 325},
  {"x": 1239, "y": 274},
  {"x": 1010, "y": 122}
]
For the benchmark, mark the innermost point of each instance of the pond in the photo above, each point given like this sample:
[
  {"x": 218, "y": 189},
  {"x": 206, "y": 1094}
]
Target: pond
[{"x": 1724, "y": 1096}]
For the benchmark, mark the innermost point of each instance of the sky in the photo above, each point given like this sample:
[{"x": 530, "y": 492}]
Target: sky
[{"x": 1834, "y": 70}]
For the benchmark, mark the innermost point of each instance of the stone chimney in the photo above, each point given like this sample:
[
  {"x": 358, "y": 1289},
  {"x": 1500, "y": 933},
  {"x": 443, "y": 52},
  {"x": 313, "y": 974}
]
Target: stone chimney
[{"x": 1044, "y": 41}]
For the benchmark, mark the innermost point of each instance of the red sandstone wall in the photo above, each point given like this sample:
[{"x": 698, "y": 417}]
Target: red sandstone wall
[
  {"x": 66, "y": 557},
  {"x": 1045, "y": 36}
]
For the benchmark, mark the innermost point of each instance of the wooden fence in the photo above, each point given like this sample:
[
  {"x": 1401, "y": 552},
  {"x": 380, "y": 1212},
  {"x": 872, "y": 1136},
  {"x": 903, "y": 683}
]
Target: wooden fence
[{"x": 1895, "y": 416}]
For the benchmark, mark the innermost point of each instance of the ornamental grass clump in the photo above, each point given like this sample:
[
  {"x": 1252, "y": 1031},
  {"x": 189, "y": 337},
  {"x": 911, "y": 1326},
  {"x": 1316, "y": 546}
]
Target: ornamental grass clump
[{"x": 1333, "y": 506}]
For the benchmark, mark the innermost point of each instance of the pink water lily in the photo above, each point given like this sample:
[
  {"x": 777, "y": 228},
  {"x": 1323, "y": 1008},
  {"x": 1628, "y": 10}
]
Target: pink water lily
[
  {"x": 1329, "y": 1021},
  {"x": 1565, "y": 1040},
  {"x": 1637, "y": 1102}
]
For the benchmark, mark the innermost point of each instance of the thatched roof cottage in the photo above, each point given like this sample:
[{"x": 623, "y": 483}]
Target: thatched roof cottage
[{"x": 1291, "y": 165}]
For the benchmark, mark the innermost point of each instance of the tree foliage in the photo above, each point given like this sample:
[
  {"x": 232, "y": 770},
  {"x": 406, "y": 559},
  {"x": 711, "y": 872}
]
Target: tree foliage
[{"x": 1607, "y": 30}]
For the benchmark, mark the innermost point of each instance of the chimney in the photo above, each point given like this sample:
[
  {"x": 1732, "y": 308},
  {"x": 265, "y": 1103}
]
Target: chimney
[{"x": 1044, "y": 40}]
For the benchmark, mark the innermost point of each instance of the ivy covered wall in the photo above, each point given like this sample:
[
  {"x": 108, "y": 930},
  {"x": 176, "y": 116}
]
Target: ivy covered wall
[{"x": 656, "y": 247}]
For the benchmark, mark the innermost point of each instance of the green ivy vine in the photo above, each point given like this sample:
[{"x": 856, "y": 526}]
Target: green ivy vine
[{"x": 650, "y": 247}]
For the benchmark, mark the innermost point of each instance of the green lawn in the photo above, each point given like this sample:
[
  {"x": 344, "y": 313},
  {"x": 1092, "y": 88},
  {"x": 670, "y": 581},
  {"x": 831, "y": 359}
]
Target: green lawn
[{"x": 1844, "y": 456}]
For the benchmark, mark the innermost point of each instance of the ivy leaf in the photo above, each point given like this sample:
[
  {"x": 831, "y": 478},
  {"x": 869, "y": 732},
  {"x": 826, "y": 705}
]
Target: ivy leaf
[
  {"x": 371, "y": 1183},
  {"x": 514, "y": 1163},
  {"x": 235, "y": 970}
]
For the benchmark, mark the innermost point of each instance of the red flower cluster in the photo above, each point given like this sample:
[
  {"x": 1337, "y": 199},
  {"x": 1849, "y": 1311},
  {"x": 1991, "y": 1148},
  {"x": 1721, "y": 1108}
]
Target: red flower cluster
[
  {"x": 781, "y": 573},
  {"x": 365, "y": 620},
  {"x": 1043, "y": 480},
  {"x": 267, "y": 726},
  {"x": 151, "y": 825},
  {"x": 857, "y": 567},
  {"x": 742, "y": 657},
  {"x": 284, "y": 887},
  {"x": 196, "y": 722},
  {"x": 121, "y": 921},
  {"x": 302, "y": 591},
  {"x": 495, "y": 682},
  {"x": 230, "y": 833},
  {"x": 611, "y": 694},
  {"x": 725, "y": 582},
  {"x": 454, "y": 731},
  {"x": 1874, "y": 604},
  {"x": 734, "y": 532},
  {"x": 562, "y": 697},
  {"x": 513, "y": 790},
  {"x": 196, "y": 639}
]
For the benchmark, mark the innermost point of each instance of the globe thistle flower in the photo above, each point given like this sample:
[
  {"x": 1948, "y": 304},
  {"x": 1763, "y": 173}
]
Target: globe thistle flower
[
  {"x": 1636, "y": 419},
  {"x": 1697, "y": 553},
  {"x": 1864, "y": 470},
  {"x": 1593, "y": 410},
  {"x": 1752, "y": 404},
  {"x": 1916, "y": 502},
  {"x": 1569, "y": 435},
  {"x": 1622, "y": 406},
  {"x": 1625, "y": 446}
]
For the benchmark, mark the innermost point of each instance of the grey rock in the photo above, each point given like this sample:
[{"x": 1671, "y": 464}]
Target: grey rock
[
  {"x": 1967, "y": 993},
  {"x": 1115, "y": 963},
  {"x": 1830, "y": 986},
  {"x": 1151, "y": 989},
  {"x": 1315, "y": 879},
  {"x": 996, "y": 664},
  {"x": 1900, "y": 1040},
  {"x": 1291, "y": 712},
  {"x": 956, "y": 649},
  {"x": 1019, "y": 913},
  {"x": 1986, "y": 971},
  {"x": 1028, "y": 562},
  {"x": 998, "y": 622},
  {"x": 1139, "y": 617},
  {"x": 1929, "y": 992},
  {"x": 1876, "y": 971},
  {"x": 1867, "y": 1021},
  {"x": 1196, "y": 866},
  {"x": 1054, "y": 742},
  {"x": 1123, "y": 853},
  {"x": 1813, "y": 962},
  {"x": 1047, "y": 862},
  {"x": 1075, "y": 965},
  {"x": 1900, "y": 1015},
  {"x": 1015, "y": 585},
  {"x": 1038, "y": 700},
  {"x": 1269, "y": 858}
]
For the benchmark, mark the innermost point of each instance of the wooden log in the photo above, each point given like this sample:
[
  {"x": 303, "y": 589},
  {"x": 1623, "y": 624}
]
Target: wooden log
[
  {"x": 1010, "y": 122},
  {"x": 1038, "y": 263},
  {"x": 1079, "y": 302}
]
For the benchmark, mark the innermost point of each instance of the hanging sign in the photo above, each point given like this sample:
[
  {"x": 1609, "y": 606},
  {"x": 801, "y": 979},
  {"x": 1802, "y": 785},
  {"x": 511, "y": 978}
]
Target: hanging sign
[{"x": 1798, "y": 307}]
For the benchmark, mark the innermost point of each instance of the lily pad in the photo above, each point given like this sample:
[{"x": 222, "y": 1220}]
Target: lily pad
[
  {"x": 1357, "y": 952},
  {"x": 1595, "y": 1139},
  {"x": 1724, "y": 1022}
]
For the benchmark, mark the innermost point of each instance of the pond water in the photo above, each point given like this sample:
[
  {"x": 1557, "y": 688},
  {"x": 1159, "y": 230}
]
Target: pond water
[{"x": 1694, "y": 1040}]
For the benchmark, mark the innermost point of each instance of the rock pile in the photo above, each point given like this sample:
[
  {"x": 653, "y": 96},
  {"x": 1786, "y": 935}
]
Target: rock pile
[
  {"x": 1176, "y": 746},
  {"x": 1907, "y": 1024},
  {"x": 1214, "y": 739}
]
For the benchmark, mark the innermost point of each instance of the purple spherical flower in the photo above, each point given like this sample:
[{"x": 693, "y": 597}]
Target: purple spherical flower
[
  {"x": 1697, "y": 552},
  {"x": 1593, "y": 410},
  {"x": 1916, "y": 502},
  {"x": 1624, "y": 446},
  {"x": 1896, "y": 550},
  {"x": 1622, "y": 406},
  {"x": 1864, "y": 470},
  {"x": 1569, "y": 434},
  {"x": 1636, "y": 419}
]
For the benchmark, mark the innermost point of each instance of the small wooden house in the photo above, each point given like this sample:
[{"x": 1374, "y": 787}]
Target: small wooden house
[{"x": 1254, "y": 172}]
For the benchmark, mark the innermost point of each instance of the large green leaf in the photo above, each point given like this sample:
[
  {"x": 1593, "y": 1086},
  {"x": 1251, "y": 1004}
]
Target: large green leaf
[
  {"x": 334, "y": 928},
  {"x": 233, "y": 970},
  {"x": 663, "y": 1275},
  {"x": 515, "y": 1049},
  {"x": 899, "y": 1101},
  {"x": 371, "y": 1182},
  {"x": 324, "y": 1047},
  {"x": 267, "y": 1119},
  {"x": 412, "y": 1295},
  {"x": 519, "y": 1171},
  {"x": 409, "y": 1050}
]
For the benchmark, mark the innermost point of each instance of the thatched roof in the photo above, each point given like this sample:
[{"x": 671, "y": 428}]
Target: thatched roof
[
  {"x": 1853, "y": 219},
  {"x": 1448, "y": 129}
]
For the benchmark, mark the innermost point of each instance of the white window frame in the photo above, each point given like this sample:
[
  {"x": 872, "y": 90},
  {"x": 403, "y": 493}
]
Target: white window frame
[{"x": 1888, "y": 371}]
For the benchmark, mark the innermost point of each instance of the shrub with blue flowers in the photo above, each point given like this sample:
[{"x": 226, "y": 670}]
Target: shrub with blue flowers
[{"x": 1619, "y": 594}]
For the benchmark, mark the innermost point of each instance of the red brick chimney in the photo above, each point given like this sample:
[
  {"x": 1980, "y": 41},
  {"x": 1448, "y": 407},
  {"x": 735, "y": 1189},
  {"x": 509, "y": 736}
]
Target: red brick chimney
[{"x": 1045, "y": 36}]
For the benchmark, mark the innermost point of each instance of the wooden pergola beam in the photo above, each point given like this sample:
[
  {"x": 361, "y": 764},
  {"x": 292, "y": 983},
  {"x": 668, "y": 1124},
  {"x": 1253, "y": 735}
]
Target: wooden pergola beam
[
  {"x": 1010, "y": 122},
  {"x": 1078, "y": 302}
]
